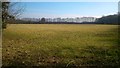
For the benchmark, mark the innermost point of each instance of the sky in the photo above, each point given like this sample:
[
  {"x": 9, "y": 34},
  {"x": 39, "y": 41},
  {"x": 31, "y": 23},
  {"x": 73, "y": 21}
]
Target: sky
[
  {"x": 68, "y": 9},
  {"x": 62, "y": 0}
]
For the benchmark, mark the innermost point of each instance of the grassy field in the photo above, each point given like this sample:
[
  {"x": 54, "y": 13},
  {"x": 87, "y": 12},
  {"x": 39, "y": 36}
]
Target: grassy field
[
  {"x": 0, "y": 42},
  {"x": 60, "y": 45}
]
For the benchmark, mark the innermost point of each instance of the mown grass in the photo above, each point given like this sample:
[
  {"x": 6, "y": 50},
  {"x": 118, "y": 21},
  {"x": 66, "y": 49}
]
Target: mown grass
[{"x": 60, "y": 45}]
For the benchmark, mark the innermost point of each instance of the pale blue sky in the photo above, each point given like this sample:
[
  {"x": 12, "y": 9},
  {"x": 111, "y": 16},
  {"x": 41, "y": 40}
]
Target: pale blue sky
[
  {"x": 69, "y": 9},
  {"x": 64, "y": 0}
]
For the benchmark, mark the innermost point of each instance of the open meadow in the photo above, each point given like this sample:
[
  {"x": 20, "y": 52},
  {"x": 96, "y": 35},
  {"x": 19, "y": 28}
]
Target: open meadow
[{"x": 60, "y": 45}]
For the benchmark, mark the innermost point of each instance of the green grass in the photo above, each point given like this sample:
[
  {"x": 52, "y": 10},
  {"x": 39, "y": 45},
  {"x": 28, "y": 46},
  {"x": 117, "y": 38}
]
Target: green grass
[{"x": 60, "y": 45}]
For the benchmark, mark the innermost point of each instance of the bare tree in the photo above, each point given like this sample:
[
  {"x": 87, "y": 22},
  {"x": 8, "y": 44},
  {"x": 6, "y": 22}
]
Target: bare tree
[
  {"x": 10, "y": 11},
  {"x": 16, "y": 9}
]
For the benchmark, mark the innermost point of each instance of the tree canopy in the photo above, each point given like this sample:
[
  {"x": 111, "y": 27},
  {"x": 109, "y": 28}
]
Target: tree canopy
[{"x": 110, "y": 19}]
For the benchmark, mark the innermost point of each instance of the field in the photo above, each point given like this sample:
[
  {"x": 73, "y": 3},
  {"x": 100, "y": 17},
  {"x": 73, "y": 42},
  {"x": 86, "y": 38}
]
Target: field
[{"x": 60, "y": 45}]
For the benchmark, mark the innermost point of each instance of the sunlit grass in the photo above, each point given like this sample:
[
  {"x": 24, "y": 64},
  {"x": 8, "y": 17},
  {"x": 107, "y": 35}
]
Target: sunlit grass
[{"x": 60, "y": 44}]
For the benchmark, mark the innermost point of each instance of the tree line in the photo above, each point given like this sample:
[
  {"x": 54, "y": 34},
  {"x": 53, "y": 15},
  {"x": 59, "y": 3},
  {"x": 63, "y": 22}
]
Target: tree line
[
  {"x": 110, "y": 19},
  {"x": 9, "y": 15}
]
